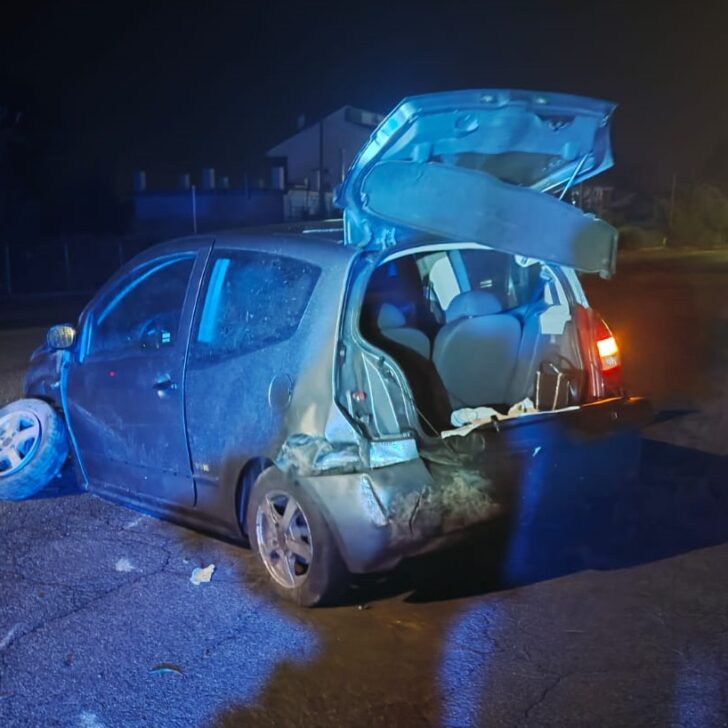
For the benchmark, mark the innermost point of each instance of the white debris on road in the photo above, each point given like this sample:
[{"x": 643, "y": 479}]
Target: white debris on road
[
  {"x": 202, "y": 576},
  {"x": 87, "y": 719},
  {"x": 9, "y": 637},
  {"x": 134, "y": 523}
]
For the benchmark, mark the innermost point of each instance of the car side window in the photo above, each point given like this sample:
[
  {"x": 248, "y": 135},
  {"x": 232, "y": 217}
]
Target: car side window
[
  {"x": 498, "y": 272},
  {"x": 144, "y": 313},
  {"x": 443, "y": 280},
  {"x": 252, "y": 300}
]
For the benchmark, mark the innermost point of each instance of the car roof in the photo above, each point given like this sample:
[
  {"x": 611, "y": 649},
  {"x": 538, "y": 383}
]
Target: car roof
[
  {"x": 319, "y": 242},
  {"x": 331, "y": 229}
]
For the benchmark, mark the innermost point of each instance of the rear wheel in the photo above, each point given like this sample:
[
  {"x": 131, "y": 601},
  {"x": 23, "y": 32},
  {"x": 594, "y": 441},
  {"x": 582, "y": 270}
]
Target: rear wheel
[
  {"x": 293, "y": 541},
  {"x": 33, "y": 447}
]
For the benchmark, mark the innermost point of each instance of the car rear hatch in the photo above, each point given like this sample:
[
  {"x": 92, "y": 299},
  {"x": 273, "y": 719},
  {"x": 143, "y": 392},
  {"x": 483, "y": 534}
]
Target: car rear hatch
[{"x": 473, "y": 165}]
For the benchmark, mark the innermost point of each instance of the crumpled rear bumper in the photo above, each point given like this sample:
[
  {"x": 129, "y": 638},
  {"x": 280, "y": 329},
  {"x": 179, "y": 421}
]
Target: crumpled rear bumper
[
  {"x": 380, "y": 516},
  {"x": 374, "y": 514},
  {"x": 384, "y": 515}
]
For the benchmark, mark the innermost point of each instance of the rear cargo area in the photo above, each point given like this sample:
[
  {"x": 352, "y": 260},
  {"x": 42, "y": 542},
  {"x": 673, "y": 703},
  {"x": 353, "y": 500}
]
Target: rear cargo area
[{"x": 477, "y": 333}]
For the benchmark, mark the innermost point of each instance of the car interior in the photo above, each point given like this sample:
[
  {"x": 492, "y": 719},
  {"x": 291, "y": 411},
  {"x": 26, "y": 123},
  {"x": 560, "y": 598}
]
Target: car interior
[{"x": 466, "y": 326}]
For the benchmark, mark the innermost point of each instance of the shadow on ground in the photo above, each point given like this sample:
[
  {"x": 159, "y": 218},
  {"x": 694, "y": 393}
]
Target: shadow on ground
[
  {"x": 63, "y": 485},
  {"x": 679, "y": 503}
]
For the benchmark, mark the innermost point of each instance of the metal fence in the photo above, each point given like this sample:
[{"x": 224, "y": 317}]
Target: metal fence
[{"x": 71, "y": 264}]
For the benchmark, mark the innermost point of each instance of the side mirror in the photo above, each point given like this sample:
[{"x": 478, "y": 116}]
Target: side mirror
[{"x": 61, "y": 336}]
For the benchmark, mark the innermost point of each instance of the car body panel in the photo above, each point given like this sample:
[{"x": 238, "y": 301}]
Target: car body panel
[
  {"x": 206, "y": 498},
  {"x": 43, "y": 376},
  {"x": 519, "y": 220},
  {"x": 381, "y": 516},
  {"x": 245, "y": 407},
  {"x": 125, "y": 410},
  {"x": 466, "y": 164}
]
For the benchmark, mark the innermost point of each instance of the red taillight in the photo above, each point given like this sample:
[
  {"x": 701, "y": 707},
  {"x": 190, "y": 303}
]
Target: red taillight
[
  {"x": 600, "y": 355},
  {"x": 606, "y": 346}
]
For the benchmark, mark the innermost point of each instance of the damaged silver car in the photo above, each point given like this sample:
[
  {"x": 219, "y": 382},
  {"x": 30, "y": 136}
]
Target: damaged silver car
[{"x": 347, "y": 394}]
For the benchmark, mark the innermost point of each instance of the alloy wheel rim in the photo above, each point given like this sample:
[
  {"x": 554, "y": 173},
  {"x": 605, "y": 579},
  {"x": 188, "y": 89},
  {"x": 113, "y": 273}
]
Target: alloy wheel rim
[
  {"x": 19, "y": 440},
  {"x": 284, "y": 539}
]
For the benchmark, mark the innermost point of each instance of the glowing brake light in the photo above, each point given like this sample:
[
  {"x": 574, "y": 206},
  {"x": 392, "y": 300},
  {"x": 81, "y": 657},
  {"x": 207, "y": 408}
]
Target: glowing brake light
[
  {"x": 608, "y": 353},
  {"x": 600, "y": 355},
  {"x": 606, "y": 346}
]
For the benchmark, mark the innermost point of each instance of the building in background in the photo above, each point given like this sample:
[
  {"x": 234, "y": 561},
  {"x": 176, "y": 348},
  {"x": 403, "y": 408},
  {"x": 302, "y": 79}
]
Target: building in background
[
  {"x": 316, "y": 158},
  {"x": 304, "y": 170}
]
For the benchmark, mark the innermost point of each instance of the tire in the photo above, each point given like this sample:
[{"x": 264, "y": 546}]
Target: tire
[
  {"x": 315, "y": 575},
  {"x": 33, "y": 447}
]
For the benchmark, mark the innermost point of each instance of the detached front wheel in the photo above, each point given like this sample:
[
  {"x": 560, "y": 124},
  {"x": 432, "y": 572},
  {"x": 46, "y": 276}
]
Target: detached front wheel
[
  {"x": 293, "y": 541},
  {"x": 33, "y": 447}
]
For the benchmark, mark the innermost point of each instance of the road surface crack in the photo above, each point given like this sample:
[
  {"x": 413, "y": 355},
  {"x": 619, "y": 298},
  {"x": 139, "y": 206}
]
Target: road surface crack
[
  {"x": 90, "y": 602},
  {"x": 544, "y": 694}
]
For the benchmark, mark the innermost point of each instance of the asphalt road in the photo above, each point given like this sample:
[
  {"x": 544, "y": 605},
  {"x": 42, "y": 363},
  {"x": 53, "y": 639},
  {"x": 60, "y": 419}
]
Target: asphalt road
[{"x": 621, "y": 617}]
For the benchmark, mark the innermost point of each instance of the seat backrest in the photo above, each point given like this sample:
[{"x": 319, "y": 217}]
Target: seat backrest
[
  {"x": 530, "y": 351},
  {"x": 476, "y": 351},
  {"x": 392, "y": 325}
]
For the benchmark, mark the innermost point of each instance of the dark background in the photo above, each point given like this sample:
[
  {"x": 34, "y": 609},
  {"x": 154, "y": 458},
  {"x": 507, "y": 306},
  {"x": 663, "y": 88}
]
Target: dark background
[{"x": 171, "y": 86}]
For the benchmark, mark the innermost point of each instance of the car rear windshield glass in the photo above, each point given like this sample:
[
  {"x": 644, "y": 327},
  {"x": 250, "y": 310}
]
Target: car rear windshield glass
[
  {"x": 448, "y": 273},
  {"x": 252, "y": 300}
]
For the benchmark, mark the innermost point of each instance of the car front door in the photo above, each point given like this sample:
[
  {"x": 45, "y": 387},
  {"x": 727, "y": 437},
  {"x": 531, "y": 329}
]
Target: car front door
[{"x": 125, "y": 385}]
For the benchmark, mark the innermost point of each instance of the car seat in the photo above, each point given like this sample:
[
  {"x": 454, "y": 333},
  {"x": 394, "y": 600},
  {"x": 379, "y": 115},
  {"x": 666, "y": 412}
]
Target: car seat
[
  {"x": 476, "y": 351},
  {"x": 392, "y": 325}
]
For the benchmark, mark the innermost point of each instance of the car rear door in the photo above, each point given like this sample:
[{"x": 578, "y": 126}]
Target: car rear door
[{"x": 125, "y": 385}]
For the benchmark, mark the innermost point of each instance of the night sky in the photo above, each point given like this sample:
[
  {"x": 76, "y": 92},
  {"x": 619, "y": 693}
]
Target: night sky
[{"x": 172, "y": 86}]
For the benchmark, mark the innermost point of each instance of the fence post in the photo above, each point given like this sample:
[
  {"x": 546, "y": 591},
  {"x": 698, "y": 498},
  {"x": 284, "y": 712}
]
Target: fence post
[
  {"x": 67, "y": 264},
  {"x": 8, "y": 275}
]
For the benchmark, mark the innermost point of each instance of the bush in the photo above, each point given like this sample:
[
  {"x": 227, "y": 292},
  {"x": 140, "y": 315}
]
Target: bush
[
  {"x": 632, "y": 237},
  {"x": 699, "y": 217}
]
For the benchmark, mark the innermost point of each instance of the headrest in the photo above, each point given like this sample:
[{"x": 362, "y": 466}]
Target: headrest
[
  {"x": 473, "y": 303},
  {"x": 390, "y": 317}
]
